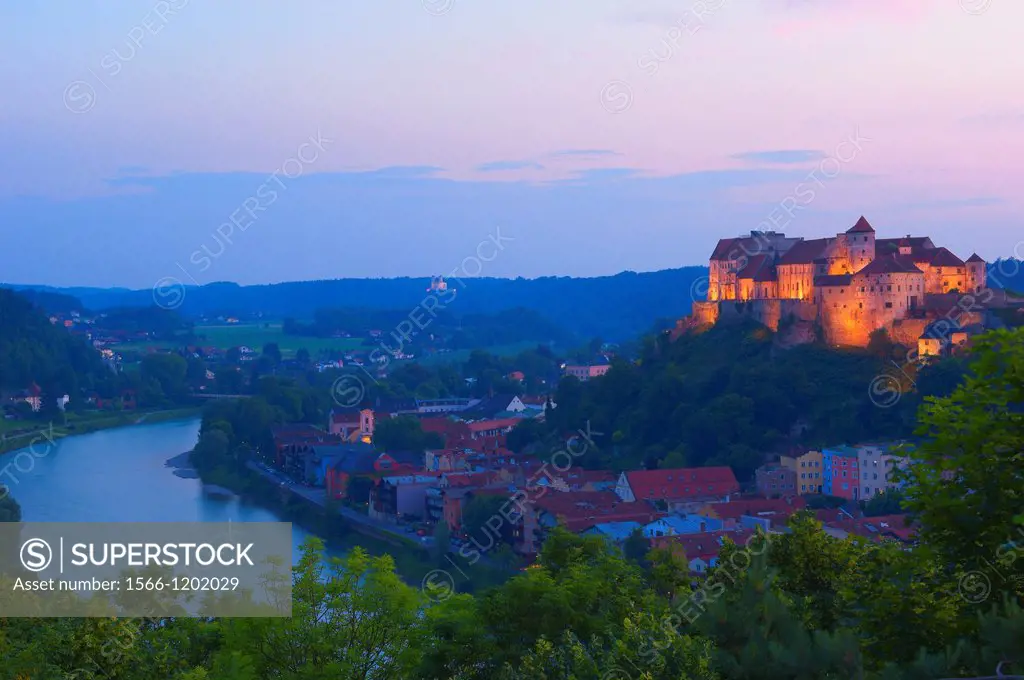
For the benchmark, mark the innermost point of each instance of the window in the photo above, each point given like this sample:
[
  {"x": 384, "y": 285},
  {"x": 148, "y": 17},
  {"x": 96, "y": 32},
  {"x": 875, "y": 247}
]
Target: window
[
  {"x": 889, "y": 288},
  {"x": 888, "y": 305},
  {"x": 860, "y": 305}
]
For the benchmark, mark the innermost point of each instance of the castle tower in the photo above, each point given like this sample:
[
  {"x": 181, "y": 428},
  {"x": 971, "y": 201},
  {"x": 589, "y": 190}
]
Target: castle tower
[
  {"x": 860, "y": 240},
  {"x": 976, "y": 273}
]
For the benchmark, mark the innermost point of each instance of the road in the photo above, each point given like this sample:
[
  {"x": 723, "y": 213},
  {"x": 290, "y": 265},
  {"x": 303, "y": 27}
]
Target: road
[{"x": 317, "y": 495}]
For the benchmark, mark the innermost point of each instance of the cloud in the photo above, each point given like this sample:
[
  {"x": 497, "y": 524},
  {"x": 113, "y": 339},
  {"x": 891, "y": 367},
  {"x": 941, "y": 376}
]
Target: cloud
[
  {"x": 582, "y": 153},
  {"x": 781, "y": 156},
  {"x": 501, "y": 166},
  {"x": 972, "y": 202}
]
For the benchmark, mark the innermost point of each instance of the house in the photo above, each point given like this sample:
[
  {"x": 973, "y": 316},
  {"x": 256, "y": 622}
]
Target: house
[
  {"x": 676, "y": 486},
  {"x": 877, "y": 466},
  {"x": 585, "y": 372},
  {"x": 319, "y": 459},
  {"x": 877, "y": 529},
  {"x": 352, "y": 425},
  {"x": 701, "y": 550},
  {"x": 293, "y": 441},
  {"x": 397, "y": 496},
  {"x": 614, "y": 532},
  {"x": 448, "y": 405},
  {"x": 767, "y": 513},
  {"x": 497, "y": 405},
  {"x": 676, "y": 525},
  {"x": 941, "y": 338},
  {"x": 365, "y": 462},
  {"x": 807, "y": 466},
  {"x": 775, "y": 479},
  {"x": 578, "y": 511},
  {"x": 841, "y": 473},
  {"x": 395, "y": 407},
  {"x": 516, "y": 376},
  {"x": 492, "y": 428}
]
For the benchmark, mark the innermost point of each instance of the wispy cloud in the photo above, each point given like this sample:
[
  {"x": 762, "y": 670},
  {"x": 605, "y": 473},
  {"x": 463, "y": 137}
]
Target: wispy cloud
[
  {"x": 781, "y": 156},
  {"x": 972, "y": 202},
  {"x": 503, "y": 166},
  {"x": 583, "y": 153}
]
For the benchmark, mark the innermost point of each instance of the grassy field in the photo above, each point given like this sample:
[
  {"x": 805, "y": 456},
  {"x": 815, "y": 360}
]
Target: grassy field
[
  {"x": 255, "y": 336},
  {"x": 460, "y": 356}
]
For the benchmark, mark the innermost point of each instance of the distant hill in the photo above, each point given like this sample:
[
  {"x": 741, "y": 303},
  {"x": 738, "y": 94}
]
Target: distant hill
[{"x": 614, "y": 308}]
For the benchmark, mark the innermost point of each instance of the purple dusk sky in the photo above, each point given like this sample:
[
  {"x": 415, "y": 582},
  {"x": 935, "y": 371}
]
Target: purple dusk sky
[{"x": 148, "y": 139}]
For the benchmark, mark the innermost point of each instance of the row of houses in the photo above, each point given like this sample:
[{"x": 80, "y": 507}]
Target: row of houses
[{"x": 854, "y": 473}]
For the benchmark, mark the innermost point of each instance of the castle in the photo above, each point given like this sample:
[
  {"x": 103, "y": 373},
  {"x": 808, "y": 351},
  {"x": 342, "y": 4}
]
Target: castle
[{"x": 851, "y": 284}]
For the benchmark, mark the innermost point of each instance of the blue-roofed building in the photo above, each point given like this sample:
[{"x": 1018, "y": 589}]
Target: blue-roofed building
[
  {"x": 616, "y": 532},
  {"x": 676, "y": 525}
]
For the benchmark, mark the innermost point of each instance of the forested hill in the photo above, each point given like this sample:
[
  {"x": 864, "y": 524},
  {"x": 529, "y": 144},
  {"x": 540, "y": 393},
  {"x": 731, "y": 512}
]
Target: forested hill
[
  {"x": 615, "y": 308},
  {"x": 34, "y": 350},
  {"x": 729, "y": 396}
]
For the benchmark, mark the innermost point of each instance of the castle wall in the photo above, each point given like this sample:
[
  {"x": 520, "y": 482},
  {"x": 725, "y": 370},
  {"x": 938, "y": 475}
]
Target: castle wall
[{"x": 705, "y": 312}]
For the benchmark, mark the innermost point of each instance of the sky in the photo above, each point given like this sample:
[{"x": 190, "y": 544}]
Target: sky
[{"x": 258, "y": 142}]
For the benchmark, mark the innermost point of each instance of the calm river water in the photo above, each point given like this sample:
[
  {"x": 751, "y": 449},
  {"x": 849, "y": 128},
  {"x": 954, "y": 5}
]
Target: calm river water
[{"x": 119, "y": 476}]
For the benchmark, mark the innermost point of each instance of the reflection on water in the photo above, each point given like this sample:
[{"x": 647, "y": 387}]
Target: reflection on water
[{"x": 120, "y": 476}]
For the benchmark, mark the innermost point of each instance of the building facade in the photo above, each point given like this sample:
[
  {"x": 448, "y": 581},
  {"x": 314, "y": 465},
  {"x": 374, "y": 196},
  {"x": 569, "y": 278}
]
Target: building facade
[{"x": 851, "y": 284}]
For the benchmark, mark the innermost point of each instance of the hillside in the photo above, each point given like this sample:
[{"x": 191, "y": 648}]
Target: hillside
[
  {"x": 730, "y": 396},
  {"x": 34, "y": 350},
  {"x": 615, "y": 308}
]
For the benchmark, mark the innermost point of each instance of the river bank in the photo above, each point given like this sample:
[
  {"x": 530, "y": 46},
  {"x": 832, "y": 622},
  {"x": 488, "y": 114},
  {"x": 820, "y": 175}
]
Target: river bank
[{"x": 35, "y": 434}]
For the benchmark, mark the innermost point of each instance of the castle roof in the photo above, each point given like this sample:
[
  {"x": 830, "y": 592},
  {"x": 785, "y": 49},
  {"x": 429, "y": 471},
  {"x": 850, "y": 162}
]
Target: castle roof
[
  {"x": 805, "y": 252},
  {"x": 917, "y": 245},
  {"x": 861, "y": 226},
  {"x": 758, "y": 268},
  {"x": 890, "y": 264},
  {"x": 943, "y": 257},
  {"x": 975, "y": 258},
  {"x": 833, "y": 280}
]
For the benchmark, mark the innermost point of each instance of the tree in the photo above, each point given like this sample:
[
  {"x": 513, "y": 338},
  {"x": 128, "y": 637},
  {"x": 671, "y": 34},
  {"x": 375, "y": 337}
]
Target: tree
[
  {"x": 404, "y": 433},
  {"x": 442, "y": 541},
  {"x": 272, "y": 352},
  {"x": 885, "y": 503},
  {"x": 636, "y": 546},
  {"x": 302, "y": 357},
  {"x": 167, "y": 372},
  {"x": 484, "y": 523},
  {"x": 964, "y": 479},
  {"x": 233, "y": 356},
  {"x": 10, "y": 511}
]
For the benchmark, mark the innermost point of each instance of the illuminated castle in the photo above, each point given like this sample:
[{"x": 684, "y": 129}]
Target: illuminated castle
[{"x": 851, "y": 284}]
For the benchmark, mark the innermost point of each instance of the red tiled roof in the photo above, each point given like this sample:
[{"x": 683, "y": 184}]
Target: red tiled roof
[
  {"x": 861, "y": 226},
  {"x": 682, "y": 483},
  {"x": 498, "y": 424},
  {"x": 704, "y": 546},
  {"x": 723, "y": 248},
  {"x": 756, "y": 506},
  {"x": 754, "y": 265},
  {"x": 805, "y": 252},
  {"x": 580, "y": 510},
  {"x": 890, "y": 264},
  {"x": 943, "y": 257}
]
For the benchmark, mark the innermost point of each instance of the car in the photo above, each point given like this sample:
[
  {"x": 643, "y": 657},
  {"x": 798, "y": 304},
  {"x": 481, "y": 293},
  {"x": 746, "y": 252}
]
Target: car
[{"x": 421, "y": 532}]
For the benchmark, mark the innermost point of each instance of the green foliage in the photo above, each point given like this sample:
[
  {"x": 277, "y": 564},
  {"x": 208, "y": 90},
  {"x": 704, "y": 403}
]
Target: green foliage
[
  {"x": 965, "y": 479},
  {"x": 10, "y": 511},
  {"x": 404, "y": 433}
]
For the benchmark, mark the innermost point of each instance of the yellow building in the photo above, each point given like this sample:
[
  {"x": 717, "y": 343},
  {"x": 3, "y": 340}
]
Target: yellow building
[{"x": 808, "y": 469}]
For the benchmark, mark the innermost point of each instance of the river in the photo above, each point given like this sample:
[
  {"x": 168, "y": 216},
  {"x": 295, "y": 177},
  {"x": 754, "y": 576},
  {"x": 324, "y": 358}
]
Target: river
[{"x": 120, "y": 475}]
